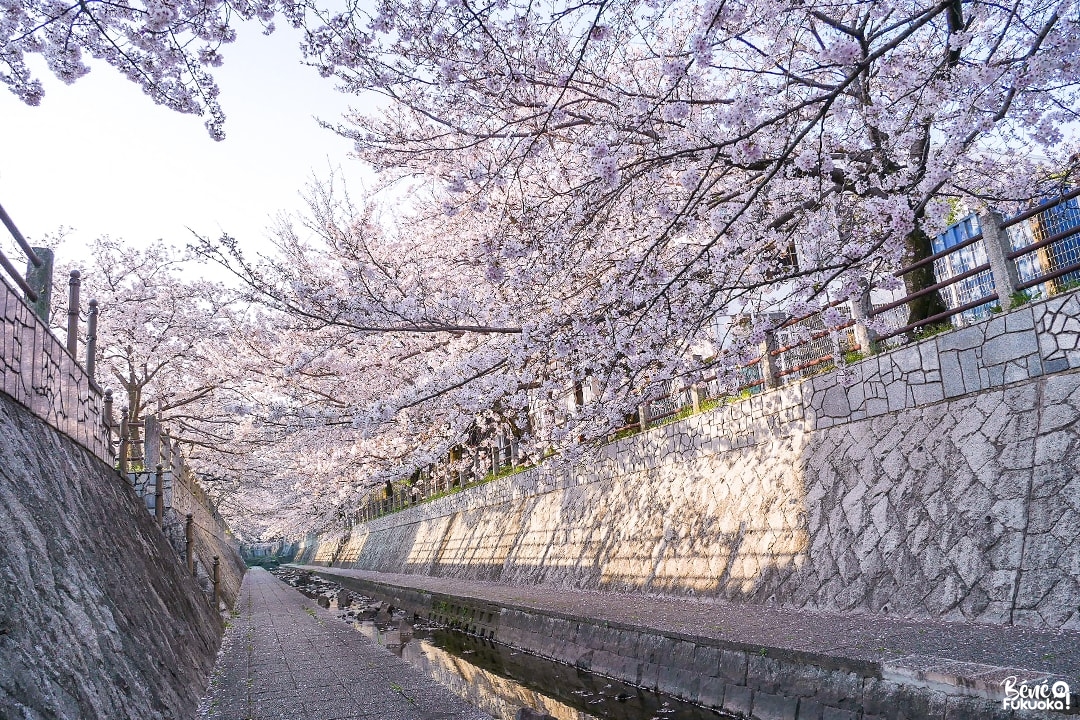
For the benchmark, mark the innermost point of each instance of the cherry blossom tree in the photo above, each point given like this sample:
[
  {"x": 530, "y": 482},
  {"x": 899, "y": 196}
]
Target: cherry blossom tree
[
  {"x": 587, "y": 193},
  {"x": 167, "y": 48},
  {"x": 595, "y": 187},
  {"x": 604, "y": 183},
  {"x": 710, "y": 143},
  {"x": 160, "y": 337}
]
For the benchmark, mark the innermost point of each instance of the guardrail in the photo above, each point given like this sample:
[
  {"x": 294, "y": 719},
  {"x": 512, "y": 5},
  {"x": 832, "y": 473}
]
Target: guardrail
[
  {"x": 1034, "y": 224},
  {"x": 158, "y": 472},
  {"x": 34, "y": 294}
]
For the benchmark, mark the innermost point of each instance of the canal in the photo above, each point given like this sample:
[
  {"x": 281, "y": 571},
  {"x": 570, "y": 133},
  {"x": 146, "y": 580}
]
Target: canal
[{"x": 502, "y": 681}]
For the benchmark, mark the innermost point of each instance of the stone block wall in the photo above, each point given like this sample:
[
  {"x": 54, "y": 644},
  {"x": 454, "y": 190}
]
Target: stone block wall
[
  {"x": 210, "y": 534},
  {"x": 938, "y": 480},
  {"x": 39, "y": 374},
  {"x": 181, "y": 496}
]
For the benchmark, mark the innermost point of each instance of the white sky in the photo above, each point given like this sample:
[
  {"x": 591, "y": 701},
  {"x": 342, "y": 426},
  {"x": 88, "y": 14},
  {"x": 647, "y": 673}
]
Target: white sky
[{"x": 100, "y": 157}]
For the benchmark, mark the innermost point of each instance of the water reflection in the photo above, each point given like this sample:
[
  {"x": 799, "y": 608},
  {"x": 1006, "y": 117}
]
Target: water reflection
[
  {"x": 493, "y": 677},
  {"x": 500, "y": 682}
]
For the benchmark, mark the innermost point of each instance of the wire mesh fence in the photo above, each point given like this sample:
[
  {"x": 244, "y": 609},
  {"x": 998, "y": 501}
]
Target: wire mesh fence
[{"x": 1054, "y": 234}]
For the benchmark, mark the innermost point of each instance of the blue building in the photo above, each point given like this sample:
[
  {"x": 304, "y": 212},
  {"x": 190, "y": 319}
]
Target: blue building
[
  {"x": 1062, "y": 253},
  {"x": 961, "y": 261}
]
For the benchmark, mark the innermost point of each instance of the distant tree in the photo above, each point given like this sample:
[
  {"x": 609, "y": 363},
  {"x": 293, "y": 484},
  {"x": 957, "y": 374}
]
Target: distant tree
[{"x": 160, "y": 337}]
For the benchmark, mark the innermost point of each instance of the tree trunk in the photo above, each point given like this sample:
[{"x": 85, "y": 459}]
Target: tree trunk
[{"x": 929, "y": 304}]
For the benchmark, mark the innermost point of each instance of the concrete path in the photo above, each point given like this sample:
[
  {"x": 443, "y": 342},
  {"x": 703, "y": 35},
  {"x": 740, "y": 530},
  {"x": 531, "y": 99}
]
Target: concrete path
[
  {"x": 845, "y": 639},
  {"x": 286, "y": 657}
]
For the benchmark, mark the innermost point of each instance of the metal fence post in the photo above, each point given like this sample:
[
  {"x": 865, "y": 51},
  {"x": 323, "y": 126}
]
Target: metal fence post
[
  {"x": 189, "y": 543},
  {"x": 997, "y": 245},
  {"x": 91, "y": 339},
  {"x": 159, "y": 495},
  {"x": 39, "y": 278},
  {"x": 73, "y": 314},
  {"x": 217, "y": 582}
]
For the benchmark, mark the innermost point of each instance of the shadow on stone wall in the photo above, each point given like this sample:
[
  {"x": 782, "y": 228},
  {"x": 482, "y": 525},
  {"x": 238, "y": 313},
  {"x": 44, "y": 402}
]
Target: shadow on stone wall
[
  {"x": 963, "y": 509},
  {"x": 731, "y": 524}
]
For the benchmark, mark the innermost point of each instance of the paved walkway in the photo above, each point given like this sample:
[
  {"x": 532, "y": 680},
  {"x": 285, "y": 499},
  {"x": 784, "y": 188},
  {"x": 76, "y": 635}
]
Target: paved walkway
[
  {"x": 880, "y": 640},
  {"x": 286, "y": 657}
]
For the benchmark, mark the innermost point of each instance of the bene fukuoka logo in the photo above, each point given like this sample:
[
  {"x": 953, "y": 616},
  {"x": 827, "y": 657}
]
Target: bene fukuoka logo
[{"x": 1035, "y": 696}]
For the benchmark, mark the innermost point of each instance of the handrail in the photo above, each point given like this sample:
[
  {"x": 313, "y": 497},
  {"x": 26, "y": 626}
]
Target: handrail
[
  {"x": 18, "y": 278},
  {"x": 1041, "y": 208},
  {"x": 796, "y": 320},
  {"x": 931, "y": 288},
  {"x": 816, "y": 336},
  {"x": 30, "y": 254},
  {"x": 806, "y": 365},
  {"x": 10, "y": 224},
  {"x": 938, "y": 255},
  {"x": 1049, "y": 276},
  {"x": 941, "y": 316},
  {"x": 1042, "y": 243}
]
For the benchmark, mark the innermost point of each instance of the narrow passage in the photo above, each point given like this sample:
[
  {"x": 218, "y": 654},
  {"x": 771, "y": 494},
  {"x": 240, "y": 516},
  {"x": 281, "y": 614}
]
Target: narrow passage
[{"x": 286, "y": 657}]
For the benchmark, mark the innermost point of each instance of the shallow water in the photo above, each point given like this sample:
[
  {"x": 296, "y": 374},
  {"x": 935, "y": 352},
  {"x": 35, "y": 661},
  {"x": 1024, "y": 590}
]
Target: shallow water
[{"x": 496, "y": 678}]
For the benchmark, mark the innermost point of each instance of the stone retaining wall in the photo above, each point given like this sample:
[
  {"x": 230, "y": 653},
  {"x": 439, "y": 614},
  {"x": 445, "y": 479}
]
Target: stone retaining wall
[
  {"x": 182, "y": 495},
  {"x": 38, "y": 373},
  {"x": 210, "y": 535},
  {"x": 938, "y": 480},
  {"x": 98, "y": 618}
]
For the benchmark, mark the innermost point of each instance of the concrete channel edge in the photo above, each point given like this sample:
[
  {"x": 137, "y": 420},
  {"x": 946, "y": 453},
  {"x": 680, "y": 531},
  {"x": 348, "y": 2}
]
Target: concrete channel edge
[{"x": 751, "y": 681}]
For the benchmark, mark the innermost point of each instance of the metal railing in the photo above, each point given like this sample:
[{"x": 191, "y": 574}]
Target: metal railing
[
  {"x": 159, "y": 474},
  {"x": 32, "y": 293},
  {"x": 1051, "y": 231},
  {"x": 936, "y": 288}
]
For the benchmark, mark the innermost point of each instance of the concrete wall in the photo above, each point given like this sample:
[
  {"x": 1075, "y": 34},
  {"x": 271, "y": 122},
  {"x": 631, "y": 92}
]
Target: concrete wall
[
  {"x": 181, "y": 496},
  {"x": 741, "y": 677},
  {"x": 938, "y": 480},
  {"x": 99, "y": 619}
]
